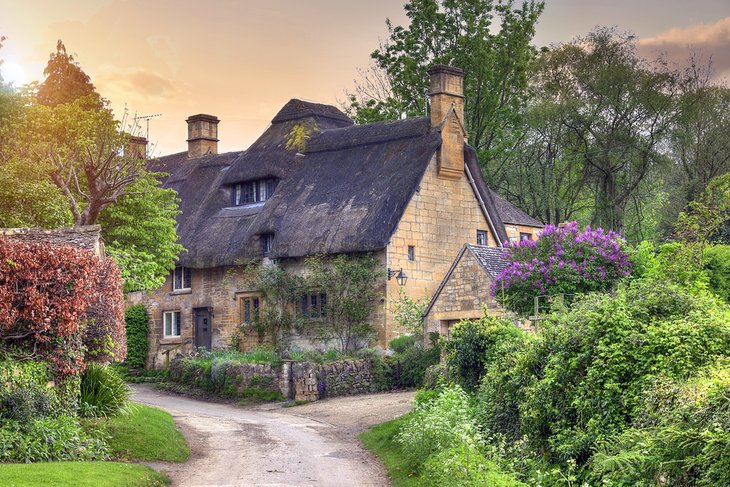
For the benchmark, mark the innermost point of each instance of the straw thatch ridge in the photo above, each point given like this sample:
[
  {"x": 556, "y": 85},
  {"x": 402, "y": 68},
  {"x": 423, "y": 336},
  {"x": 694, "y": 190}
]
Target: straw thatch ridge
[{"x": 342, "y": 188}]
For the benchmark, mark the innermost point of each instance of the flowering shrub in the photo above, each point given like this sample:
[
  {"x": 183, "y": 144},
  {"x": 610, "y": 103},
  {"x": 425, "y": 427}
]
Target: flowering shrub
[
  {"x": 562, "y": 260},
  {"x": 444, "y": 422}
]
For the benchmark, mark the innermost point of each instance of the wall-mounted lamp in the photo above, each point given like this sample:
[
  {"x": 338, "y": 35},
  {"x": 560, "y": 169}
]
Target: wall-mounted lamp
[{"x": 400, "y": 276}]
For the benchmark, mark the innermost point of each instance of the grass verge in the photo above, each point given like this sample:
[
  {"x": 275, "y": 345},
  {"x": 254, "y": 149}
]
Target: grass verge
[
  {"x": 145, "y": 433},
  {"x": 80, "y": 474},
  {"x": 380, "y": 440}
]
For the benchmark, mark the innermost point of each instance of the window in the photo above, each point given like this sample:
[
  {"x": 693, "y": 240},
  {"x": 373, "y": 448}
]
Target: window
[
  {"x": 525, "y": 236},
  {"x": 171, "y": 324},
  {"x": 267, "y": 240},
  {"x": 313, "y": 305},
  {"x": 250, "y": 306},
  {"x": 253, "y": 191},
  {"x": 481, "y": 237},
  {"x": 411, "y": 253},
  {"x": 181, "y": 278}
]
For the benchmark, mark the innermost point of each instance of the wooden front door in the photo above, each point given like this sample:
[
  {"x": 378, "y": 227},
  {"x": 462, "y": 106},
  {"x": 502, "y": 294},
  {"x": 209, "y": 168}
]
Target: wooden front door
[{"x": 203, "y": 328}]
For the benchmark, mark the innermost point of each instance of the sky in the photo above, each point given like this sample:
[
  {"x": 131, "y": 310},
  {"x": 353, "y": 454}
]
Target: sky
[{"x": 242, "y": 60}]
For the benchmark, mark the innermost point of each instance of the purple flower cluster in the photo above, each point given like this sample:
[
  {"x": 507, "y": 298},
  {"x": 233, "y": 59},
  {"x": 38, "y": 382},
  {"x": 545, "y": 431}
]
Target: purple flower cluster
[{"x": 563, "y": 260}]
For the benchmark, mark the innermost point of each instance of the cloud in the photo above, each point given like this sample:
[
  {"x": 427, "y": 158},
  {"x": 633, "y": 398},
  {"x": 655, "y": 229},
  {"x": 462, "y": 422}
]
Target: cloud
[
  {"x": 143, "y": 83},
  {"x": 709, "y": 41}
]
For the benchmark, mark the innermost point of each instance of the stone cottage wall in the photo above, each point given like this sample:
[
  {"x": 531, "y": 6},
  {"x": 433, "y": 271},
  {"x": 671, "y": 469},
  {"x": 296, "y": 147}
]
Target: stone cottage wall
[
  {"x": 441, "y": 217},
  {"x": 464, "y": 296}
]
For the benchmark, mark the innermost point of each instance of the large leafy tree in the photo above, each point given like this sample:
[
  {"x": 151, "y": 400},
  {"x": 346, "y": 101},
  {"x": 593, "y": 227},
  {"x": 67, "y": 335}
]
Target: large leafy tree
[
  {"x": 598, "y": 125},
  {"x": 66, "y": 156},
  {"x": 459, "y": 33},
  {"x": 139, "y": 231},
  {"x": 65, "y": 80}
]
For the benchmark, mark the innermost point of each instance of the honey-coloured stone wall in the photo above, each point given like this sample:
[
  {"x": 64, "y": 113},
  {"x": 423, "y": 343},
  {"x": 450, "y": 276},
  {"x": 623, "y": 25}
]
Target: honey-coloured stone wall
[{"x": 442, "y": 216}]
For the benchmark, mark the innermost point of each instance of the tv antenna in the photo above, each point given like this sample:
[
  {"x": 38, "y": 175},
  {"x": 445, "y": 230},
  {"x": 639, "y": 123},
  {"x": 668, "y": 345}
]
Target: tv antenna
[{"x": 147, "y": 118}]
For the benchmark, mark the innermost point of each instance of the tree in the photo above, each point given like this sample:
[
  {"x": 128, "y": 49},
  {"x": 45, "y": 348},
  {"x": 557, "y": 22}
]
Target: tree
[
  {"x": 139, "y": 231},
  {"x": 617, "y": 109},
  {"x": 65, "y": 81},
  {"x": 699, "y": 141},
  {"x": 81, "y": 149},
  {"x": 351, "y": 286},
  {"x": 459, "y": 33}
]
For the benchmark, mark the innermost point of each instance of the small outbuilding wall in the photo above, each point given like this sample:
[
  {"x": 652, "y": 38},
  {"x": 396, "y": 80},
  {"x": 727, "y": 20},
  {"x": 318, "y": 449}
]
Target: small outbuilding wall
[{"x": 464, "y": 292}]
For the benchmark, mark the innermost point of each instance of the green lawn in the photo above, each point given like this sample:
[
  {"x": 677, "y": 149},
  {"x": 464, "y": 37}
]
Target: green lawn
[
  {"x": 380, "y": 440},
  {"x": 80, "y": 474},
  {"x": 144, "y": 434}
]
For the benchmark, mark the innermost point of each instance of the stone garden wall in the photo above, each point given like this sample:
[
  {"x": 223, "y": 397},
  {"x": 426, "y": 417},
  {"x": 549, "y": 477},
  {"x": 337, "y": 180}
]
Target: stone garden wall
[{"x": 300, "y": 381}]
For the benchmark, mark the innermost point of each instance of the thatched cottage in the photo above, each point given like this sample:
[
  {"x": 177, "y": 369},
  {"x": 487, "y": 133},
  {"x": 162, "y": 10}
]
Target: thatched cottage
[{"x": 409, "y": 191}]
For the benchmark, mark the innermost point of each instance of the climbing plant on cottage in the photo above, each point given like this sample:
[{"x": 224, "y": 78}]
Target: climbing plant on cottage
[{"x": 564, "y": 260}]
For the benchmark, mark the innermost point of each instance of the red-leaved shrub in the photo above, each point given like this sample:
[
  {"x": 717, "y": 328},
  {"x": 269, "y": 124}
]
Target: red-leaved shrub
[
  {"x": 105, "y": 338},
  {"x": 46, "y": 291}
]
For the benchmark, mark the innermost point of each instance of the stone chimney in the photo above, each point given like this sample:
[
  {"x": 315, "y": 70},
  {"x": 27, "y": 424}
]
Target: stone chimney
[
  {"x": 136, "y": 147},
  {"x": 447, "y": 114},
  {"x": 202, "y": 135}
]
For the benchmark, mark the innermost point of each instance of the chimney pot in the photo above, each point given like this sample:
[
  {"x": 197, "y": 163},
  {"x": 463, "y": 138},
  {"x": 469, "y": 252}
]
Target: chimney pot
[
  {"x": 136, "y": 147},
  {"x": 202, "y": 135}
]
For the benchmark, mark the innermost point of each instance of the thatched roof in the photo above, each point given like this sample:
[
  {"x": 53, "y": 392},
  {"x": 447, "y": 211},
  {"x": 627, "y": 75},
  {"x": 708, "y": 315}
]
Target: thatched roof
[{"x": 342, "y": 187}]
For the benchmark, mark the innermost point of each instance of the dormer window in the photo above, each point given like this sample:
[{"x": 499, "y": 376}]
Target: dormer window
[
  {"x": 267, "y": 240},
  {"x": 252, "y": 192}
]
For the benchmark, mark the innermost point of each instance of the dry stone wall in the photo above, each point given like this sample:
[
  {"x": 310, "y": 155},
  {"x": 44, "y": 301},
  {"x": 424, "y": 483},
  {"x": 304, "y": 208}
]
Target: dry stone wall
[{"x": 300, "y": 381}]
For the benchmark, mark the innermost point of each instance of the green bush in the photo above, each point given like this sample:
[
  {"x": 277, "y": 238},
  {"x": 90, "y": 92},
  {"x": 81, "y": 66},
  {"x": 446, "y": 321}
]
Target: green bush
[
  {"x": 682, "y": 435},
  {"x": 474, "y": 345},
  {"x": 402, "y": 343},
  {"x": 465, "y": 465},
  {"x": 137, "y": 321},
  {"x": 717, "y": 267},
  {"x": 25, "y": 393},
  {"x": 443, "y": 422},
  {"x": 584, "y": 377},
  {"x": 48, "y": 440},
  {"x": 411, "y": 364},
  {"x": 103, "y": 392}
]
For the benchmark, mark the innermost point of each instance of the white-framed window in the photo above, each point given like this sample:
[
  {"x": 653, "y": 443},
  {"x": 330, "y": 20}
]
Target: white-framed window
[
  {"x": 481, "y": 237},
  {"x": 252, "y": 192},
  {"x": 171, "y": 324},
  {"x": 181, "y": 278},
  {"x": 525, "y": 236},
  {"x": 411, "y": 253}
]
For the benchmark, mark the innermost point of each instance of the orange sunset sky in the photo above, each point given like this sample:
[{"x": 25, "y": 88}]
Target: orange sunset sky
[{"x": 242, "y": 60}]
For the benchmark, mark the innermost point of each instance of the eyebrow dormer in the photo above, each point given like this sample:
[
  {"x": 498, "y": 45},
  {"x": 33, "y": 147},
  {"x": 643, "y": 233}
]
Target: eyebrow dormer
[{"x": 251, "y": 192}]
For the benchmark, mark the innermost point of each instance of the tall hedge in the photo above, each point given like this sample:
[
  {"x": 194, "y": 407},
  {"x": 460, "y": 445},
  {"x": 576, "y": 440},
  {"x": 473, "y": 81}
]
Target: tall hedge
[
  {"x": 46, "y": 291},
  {"x": 137, "y": 321},
  {"x": 104, "y": 336}
]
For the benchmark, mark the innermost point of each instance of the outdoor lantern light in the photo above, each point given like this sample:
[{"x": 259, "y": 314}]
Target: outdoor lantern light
[{"x": 400, "y": 276}]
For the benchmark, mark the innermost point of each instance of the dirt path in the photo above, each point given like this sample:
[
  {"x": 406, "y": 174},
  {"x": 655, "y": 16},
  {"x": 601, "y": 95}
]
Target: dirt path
[{"x": 314, "y": 444}]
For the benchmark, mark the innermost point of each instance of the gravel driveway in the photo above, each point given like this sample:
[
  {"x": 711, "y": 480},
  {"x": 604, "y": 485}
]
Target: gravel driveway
[{"x": 314, "y": 444}]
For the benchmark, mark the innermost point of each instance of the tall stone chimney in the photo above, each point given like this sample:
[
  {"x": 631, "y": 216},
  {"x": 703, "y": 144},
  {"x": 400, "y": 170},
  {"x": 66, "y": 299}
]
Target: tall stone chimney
[
  {"x": 447, "y": 114},
  {"x": 202, "y": 135},
  {"x": 136, "y": 147}
]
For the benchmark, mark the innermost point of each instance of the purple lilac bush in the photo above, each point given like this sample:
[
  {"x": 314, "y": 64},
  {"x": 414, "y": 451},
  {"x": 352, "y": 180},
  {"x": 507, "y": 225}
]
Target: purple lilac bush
[{"x": 563, "y": 260}]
